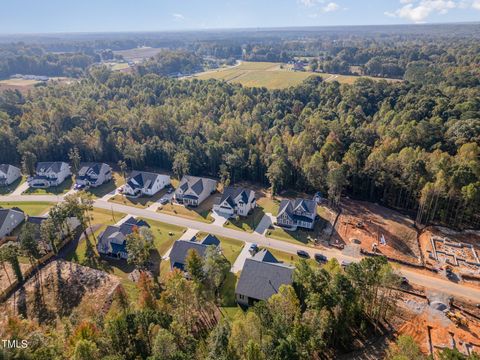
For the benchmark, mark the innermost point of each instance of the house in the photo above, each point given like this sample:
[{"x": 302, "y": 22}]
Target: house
[
  {"x": 93, "y": 175},
  {"x": 8, "y": 174},
  {"x": 180, "y": 249},
  {"x": 112, "y": 242},
  {"x": 10, "y": 219},
  {"x": 145, "y": 183},
  {"x": 49, "y": 174},
  {"x": 192, "y": 190},
  {"x": 297, "y": 213},
  {"x": 72, "y": 223},
  {"x": 236, "y": 201},
  {"x": 261, "y": 277}
]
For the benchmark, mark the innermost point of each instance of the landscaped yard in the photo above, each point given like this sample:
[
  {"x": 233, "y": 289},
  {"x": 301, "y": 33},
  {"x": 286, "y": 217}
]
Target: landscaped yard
[
  {"x": 54, "y": 190},
  {"x": 248, "y": 223},
  {"x": 199, "y": 213},
  {"x": 269, "y": 205},
  {"x": 298, "y": 236},
  {"x": 30, "y": 208},
  {"x": 117, "y": 181},
  {"x": 141, "y": 202},
  {"x": 5, "y": 190}
]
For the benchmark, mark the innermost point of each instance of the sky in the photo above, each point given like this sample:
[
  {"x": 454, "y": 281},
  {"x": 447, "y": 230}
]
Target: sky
[{"x": 47, "y": 16}]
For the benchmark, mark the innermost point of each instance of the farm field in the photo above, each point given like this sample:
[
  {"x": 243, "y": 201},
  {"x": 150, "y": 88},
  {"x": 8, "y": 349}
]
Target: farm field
[
  {"x": 24, "y": 85},
  {"x": 138, "y": 54},
  {"x": 271, "y": 75}
]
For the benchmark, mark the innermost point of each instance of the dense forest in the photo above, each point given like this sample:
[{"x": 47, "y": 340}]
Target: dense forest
[{"x": 411, "y": 146}]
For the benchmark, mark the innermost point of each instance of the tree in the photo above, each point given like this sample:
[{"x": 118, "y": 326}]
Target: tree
[
  {"x": 49, "y": 233},
  {"x": 217, "y": 343},
  {"x": 139, "y": 245},
  {"x": 28, "y": 163},
  {"x": 9, "y": 252},
  {"x": 405, "y": 348},
  {"x": 75, "y": 159},
  {"x": 215, "y": 268},
  {"x": 336, "y": 180},
  {"x": 164, "y": 346},
  {"x": 123, "y": 169},
  {"x": 86, "y": 350},
  {"x": 194, "y": 265},
  {"x": 147, "y": 297}
]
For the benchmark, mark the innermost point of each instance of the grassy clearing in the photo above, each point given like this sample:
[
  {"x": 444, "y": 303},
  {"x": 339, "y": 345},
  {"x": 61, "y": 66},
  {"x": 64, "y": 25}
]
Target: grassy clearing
[
  {"x": 304, "y": 237},
  {"x": 248, "y": 223},
  {"x": 269, "y": 205},
  {"x": 273, "y": 75},
  {"x": 102, "y": 190},
  {"x": 200, "y": 213},
  {"x": 18, "y": 82},
  {"x": 63, "y": 188},
  {"x": 141, "y": 202},
  {"x": 30, "y": 208}
]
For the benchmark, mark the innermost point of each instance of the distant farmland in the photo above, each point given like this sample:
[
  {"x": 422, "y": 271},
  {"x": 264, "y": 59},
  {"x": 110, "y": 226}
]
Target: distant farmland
[
  {"x": 271, "y": 75},
  {"x": 138, "y": 54}
]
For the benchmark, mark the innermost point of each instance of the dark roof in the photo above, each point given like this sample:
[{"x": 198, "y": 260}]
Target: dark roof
[
  {"x": 5, "y": 167},
  {"x": 210, "y": 240},
  {"x": 193, "y": 182},
  {"x": 5, "y": 212},
  {"x": 261, "y": 279},
  {"x": 55, "y": 166},
  {"x": 180, "y": 250},
  {"x": 141, "y": 179},
  {"x": 231, "y": 193},
  {"x": 289, "y": 206},
  {"x": 92, "y": 167},
  {"x": 119, "y": 233},
  {"x": 37, "y": 220},
  {"x": 266, "y": 256}
]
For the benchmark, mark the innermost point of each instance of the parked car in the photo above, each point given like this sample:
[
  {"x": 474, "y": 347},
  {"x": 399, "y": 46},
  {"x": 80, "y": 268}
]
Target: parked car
[
  {"x": 320, "y": 258},
  {"x": 253, "y": 249},
  {"x": 170, "y": 190},
  {"x": 404, "y": 281},
  {"x": 303, "y": 254},
  {"x": 163, "y": 201},
  {"x": 79, "y": 187},
  {"x": 345, "y": 263}
]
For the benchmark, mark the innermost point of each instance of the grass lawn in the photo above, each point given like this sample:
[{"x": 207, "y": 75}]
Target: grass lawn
[
  {"x": 5, "y": 190},
  {"x": 200, "y": 213},
  {"x": 120, "y": 268},
  {"x": 299, "y": 236},
  {"x": 231, "y": 248},
  {"x": 30, "y": 208},
  {"x": 141, "y": 202},
  {"x": 102, "y": 190},
  {"x": 54, "y": 190},
  {"x": 231, "y": 312},
  {"x": 269, "y": 205},
  {"x": 248, "y": 223}
]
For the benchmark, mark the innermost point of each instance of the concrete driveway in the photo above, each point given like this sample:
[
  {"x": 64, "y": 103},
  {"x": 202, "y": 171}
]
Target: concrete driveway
[
  {"x": 20, "y": 189},
  {"x": 220, "y": 219},
  {"x": 267, "y": 220},
  {"x": 157, "y": 204},
  {"x": 240, "y": 261}
]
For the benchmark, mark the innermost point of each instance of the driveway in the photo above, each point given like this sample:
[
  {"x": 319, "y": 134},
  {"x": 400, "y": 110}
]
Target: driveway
[
  {"x": 111, "y": 194},
  {"x": 157, "y": 204},
  {"x": 20, "y": 189},
  {"x": 220, "y": 219},
  {"x": 267, "y": 220},
  {"x": 240, "y": 261}
]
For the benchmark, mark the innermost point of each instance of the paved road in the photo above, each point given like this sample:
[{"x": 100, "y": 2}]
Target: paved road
[{"x": 430, "y": 282}]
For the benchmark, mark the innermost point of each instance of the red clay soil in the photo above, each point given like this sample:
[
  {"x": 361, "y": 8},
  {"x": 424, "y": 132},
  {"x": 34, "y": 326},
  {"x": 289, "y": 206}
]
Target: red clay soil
[{"x": 367, "y": 222}]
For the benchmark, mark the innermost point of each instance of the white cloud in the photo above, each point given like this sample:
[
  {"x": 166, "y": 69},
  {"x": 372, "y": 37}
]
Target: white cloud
[
  {"x": 310, "y": 3},
  {"x": 178, "y": 16},
  {"x": 476, "y": 4},
  {"x": 331, "y": 7},
  {"x": 419, "y": 11}
]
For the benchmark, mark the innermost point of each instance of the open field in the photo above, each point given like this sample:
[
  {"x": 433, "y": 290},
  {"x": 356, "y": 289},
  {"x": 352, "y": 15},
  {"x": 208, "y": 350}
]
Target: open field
[
  {"x": 24, "y": 85},
  {"x": 272, "y": 75},
  {"x": 31, "y": 208},
  {"x": 138, "y": 54}
]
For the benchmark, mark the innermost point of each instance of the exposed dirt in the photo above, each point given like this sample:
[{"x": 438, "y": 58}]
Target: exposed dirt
[
  {"x": 365, "y": 223},
  {"x": 4, "y": 277},
  {"x": 62, "y": 289}
]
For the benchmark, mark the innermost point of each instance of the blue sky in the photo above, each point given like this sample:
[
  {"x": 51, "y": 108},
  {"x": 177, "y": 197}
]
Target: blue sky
[{"x": 32, "y": 16}]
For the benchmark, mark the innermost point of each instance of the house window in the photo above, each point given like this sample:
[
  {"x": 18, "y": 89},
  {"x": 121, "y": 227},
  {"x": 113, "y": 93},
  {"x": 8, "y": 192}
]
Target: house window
[{"x": 241, "y": 296}]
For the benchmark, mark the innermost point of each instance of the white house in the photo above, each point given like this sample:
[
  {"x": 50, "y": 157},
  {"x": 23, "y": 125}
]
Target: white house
[
  {"x": 10, "y": 219},
  {"x": 8, "y": 174},
  {"x": 236, "y": 201},
  {"x": 49, "y": 174},
  {"x": 145, "y": 183},
  {"x": 93, "y": 175},
  {"x": 193, "y": 190}
]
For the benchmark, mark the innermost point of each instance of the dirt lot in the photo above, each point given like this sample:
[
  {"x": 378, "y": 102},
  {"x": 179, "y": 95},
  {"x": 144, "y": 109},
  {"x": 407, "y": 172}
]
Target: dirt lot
[
  {"x": 63, "y": 288},
  {"x": 4, "y": 277},
  {"x": 366, "y": 222},
  {"x": 460, "y": 250}
]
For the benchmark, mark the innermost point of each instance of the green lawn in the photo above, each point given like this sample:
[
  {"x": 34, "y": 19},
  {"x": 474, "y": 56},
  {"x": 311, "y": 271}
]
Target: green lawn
[
  {"x": 102, "y": 190},
  {"x": 141, "y": 202},
  {"x": 199, "y": 213},
  {"x": 5, "y": 190},
  {"x": 269, "y": 205},
  {"x": 54, "y": 190},
  {"x": 299, "y": 236},
  {"x": 230, "y": 248},
  {"x": 30, "y": 208},
  {"x": 248, "y": 223}
]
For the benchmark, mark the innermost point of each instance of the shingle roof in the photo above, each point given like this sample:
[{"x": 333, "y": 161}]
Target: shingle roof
[
  {"x": 231, "y": 193},
  {"x": 5, "y": 213},
  {"x": 193, "y": 182},
  {"x": 4, "y": 168},
  {"x": 114, "y": 234},
  {"x": 210, "y": 240},
  {"x": 180, "y": 250},
  {"x": 261, "y": 279},
  {"x": 141, "y": 179},
  {"x": 55, "y": 166},
  {"x": 289, "y": 206},
  {"x": 92, "y": 167}
]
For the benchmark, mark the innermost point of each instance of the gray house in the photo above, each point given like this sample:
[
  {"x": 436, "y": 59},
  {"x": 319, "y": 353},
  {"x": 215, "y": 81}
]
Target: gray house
[
  {"x": 261, "y": 277},
  {"x": 193, "y": 190},
  {"x": 145, "y": 183},
  {"x": 93, "y": 175},
  {"x": 180, "y": 250},
  {"x": 297, "y": 213},
  {"x": 113, "y": 241},
  {"x": 10, "y": 219},
  {"x": 8, "y": 174},
  {"x": 236, "y": 201}
]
